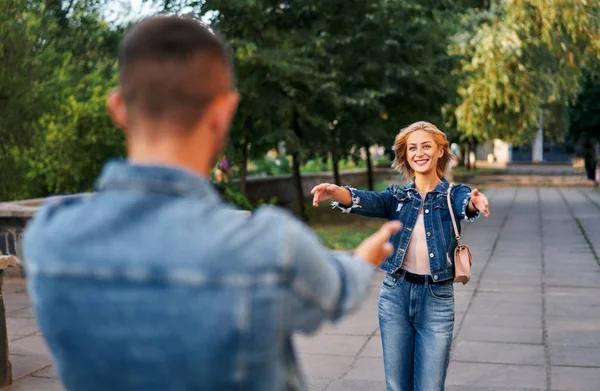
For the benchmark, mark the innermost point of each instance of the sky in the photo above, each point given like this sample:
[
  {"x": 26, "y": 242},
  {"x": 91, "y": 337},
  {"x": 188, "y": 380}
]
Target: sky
[{"x": 126, "y": 10}]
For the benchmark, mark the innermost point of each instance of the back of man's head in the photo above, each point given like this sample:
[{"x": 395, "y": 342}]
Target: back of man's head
[{"x": 171, "y": 69}]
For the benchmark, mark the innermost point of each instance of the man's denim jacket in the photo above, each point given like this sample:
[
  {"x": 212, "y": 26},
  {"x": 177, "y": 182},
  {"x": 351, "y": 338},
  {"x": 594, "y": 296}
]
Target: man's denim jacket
[
  {"x": 154, "y": 283},
  {"x": 403, "y": 204}
]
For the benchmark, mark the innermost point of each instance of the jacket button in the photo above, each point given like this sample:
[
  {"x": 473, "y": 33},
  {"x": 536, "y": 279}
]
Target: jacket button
[
  {"x": 431, "y": 255},
  {"x": 426, "y": 210},
  {"x": 435, "y": 278},
  {"x": 401, "y": 250},
  {"x": 428, "y": 233}
]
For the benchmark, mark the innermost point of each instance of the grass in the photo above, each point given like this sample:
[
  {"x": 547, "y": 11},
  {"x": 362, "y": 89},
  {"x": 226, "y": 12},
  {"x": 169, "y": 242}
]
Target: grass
[
  {"x": 339, "y": 231},
  {"x": 344, "y": 237}
]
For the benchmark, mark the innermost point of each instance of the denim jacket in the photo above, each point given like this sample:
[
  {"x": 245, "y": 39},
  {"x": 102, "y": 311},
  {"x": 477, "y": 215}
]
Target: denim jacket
[
  {"x": 154, "y": 283},
  {"x": 403, "y": 204}
]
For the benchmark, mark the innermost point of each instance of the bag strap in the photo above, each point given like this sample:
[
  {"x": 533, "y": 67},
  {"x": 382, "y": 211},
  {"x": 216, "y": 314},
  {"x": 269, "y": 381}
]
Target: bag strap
[{"x": 451, "y": 210}]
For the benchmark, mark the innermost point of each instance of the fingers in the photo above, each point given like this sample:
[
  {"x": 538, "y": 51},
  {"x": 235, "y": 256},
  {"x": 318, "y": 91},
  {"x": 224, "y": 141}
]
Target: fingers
[
  {"x": 320, "y": 187},
  {"x": 388, "y": 248},
  {"x": 387, "y": 229},
  {"x": 316, "y": 198}
]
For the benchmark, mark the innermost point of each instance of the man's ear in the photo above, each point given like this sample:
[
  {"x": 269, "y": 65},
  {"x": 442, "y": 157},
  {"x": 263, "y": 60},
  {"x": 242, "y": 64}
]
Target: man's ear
[
  {"x": 116, "y": 108},
  {"x": 221, "y": 111}
]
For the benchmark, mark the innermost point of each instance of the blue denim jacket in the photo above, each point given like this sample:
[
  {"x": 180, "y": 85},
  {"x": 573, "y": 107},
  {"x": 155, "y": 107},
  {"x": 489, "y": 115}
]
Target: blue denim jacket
[
  {"x": 154, "y": 283},
  {"x": 403, "y": 204}
]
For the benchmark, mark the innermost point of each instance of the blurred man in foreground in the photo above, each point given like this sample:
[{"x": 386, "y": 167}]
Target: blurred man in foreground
[{"x": 154, "y": 283}]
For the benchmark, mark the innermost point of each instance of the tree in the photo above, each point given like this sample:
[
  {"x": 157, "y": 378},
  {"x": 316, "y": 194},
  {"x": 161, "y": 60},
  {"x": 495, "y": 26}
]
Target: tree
[
  {"x": 519, "y": 57},
  {"x": 58, "y": 62}
]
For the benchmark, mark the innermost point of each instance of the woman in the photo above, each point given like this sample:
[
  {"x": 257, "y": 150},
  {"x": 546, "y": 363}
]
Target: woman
[{"x": 416, "y": 303}]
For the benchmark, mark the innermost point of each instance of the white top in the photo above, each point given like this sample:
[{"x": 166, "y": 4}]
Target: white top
[{"x": 416, "y": 259}]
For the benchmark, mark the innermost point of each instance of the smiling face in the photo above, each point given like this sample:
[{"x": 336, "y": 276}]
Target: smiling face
[
  {"x": 422, "y": 152},
  {"x": 421, "y": 149}
]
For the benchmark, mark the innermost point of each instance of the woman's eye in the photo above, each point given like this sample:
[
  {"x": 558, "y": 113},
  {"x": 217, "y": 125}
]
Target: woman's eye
[{"x": 427, "y": 146}]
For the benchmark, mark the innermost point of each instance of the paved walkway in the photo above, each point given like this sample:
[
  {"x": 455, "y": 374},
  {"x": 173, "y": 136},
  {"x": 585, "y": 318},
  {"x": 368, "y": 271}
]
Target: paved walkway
[{"x": 529, "y": 320}]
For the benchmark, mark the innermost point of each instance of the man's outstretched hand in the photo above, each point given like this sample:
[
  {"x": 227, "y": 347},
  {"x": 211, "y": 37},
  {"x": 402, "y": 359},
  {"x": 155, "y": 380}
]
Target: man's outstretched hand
[{"x": 376, "y": 248}]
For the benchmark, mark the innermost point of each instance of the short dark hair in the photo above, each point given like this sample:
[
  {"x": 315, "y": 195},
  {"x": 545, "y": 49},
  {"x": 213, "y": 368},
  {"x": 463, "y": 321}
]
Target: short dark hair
[{"x": 173, "y": 67}]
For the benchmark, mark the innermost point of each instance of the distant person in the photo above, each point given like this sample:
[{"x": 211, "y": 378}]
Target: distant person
[
  {"x": 590, "y": 158},
  {"x": 416, "y": 303},
  {"x": 154, "y": 283}
]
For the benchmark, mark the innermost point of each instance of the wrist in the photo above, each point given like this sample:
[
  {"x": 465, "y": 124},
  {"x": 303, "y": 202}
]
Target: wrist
[{"x": 472, "y": 205}]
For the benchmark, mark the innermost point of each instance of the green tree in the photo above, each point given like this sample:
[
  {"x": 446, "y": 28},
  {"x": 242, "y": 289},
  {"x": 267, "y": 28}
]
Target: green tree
[{"x": 520, "y": 57}]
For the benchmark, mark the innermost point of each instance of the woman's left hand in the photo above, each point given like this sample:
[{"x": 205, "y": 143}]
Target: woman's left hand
[{"x": 480, "y": 202}]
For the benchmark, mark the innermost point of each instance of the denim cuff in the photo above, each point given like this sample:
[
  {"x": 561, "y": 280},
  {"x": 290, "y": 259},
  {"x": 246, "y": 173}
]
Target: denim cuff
[
  {"x": 463, "y": 212},
  {"x": 355, "y": 201}
]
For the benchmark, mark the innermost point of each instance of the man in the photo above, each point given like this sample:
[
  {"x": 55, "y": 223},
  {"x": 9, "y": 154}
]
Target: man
[{"x": 154, "y": 283}]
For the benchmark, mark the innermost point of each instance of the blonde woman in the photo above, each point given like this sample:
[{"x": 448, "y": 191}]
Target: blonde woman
[{"x": 416, "y": 303}]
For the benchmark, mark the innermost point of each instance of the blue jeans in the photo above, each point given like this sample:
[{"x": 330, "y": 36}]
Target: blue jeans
[{"x": 416, "y": 323}]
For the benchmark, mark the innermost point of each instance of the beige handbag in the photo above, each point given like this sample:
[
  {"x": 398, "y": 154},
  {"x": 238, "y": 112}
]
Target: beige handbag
[{"x": 462, "y": 253}]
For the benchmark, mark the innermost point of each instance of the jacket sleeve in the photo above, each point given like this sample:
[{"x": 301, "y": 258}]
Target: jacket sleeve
[
  {"x": 325, "y": 285},
  {"x": 368, "y": 203},
  {"x": 461, "y": 194}
]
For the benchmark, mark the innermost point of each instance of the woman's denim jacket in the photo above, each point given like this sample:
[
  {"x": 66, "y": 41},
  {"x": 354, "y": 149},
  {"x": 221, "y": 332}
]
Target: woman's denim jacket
[{"x": 403, "y": 204}]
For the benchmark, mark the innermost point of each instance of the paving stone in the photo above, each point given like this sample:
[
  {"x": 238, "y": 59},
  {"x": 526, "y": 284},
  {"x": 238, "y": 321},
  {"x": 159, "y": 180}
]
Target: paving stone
[
  {"x": 357, "y": 385},
  {"x": 575, "y": 379},
  {"x": 499, "y": 353},
  {"x": 373, "y": 348},
  {"x": 501, "y": 334},
  {"x": 46, "y": 372},
  {"x": 35, "y": 384},
  {"x": 348, "y": 345},
  {"x": 32, "y": 345},
  {"x": 578, "y": 332},
  {"x": 502, "y": 320},
  {"x": 576, "y": 356},
  {"x": 317, "y": 383},
  {"x": 23, "y": 366},
  {"x": 367, "y": 368},
  {"x": 20, "y": 326},
  {"x": 364, "y": 322},
  {"x": 485, "y": 388},
  {"x": 325, "y": 366},
  {"x": 496, "y": 375}
]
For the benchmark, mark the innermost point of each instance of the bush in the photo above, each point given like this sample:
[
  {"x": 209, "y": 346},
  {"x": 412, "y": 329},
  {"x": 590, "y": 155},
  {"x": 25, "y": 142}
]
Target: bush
[{"x": 233, "y": 195}]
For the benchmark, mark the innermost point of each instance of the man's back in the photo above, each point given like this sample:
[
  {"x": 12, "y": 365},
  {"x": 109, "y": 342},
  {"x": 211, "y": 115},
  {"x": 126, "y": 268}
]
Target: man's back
[{"x": 154, "y": 283}]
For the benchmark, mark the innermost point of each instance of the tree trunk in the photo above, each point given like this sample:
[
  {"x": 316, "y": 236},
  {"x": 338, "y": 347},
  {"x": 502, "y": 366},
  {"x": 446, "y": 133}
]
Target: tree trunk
[
  {"x": 244, "y": 168},
  {"x": 335, "y": 162},
  {"x": 298, "y": 182},
  {"x": 467, "y": 157},
  {"x": 474, "y": 150},
  {"x": 370, "y": 175}
]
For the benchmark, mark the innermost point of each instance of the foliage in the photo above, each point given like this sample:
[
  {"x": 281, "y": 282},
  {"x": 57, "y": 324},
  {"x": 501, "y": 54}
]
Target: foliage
[
  {"x": 522, "y": 57},
  {"x": 232, "y": 194}
]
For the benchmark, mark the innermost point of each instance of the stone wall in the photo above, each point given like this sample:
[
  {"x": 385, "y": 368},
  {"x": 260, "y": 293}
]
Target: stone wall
[{"x": 282, "y": 186}]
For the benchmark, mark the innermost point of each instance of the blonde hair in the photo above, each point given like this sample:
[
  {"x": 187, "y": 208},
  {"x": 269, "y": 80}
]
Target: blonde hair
[{"x": 400, "y": 163}]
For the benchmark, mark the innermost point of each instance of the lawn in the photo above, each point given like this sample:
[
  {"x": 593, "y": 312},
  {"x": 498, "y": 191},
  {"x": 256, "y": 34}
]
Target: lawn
[{"x": 339, "y": 231}]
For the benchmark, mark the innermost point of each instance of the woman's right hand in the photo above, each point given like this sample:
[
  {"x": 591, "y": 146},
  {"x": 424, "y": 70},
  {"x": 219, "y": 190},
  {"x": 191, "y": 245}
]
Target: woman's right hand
[{"x": 323, "y": 192}]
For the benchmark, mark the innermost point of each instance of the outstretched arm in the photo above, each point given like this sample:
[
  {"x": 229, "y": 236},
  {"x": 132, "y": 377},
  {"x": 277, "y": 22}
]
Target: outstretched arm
[
  {"x": 350, "y": 200},
  {"x": 328, "y": 285}
]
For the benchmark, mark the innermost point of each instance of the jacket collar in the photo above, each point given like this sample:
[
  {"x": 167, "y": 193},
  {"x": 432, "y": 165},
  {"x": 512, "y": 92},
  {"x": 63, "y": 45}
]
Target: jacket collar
[
  {"x": 124, "y": 175},
  {"x": 441, "y": 187}
]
